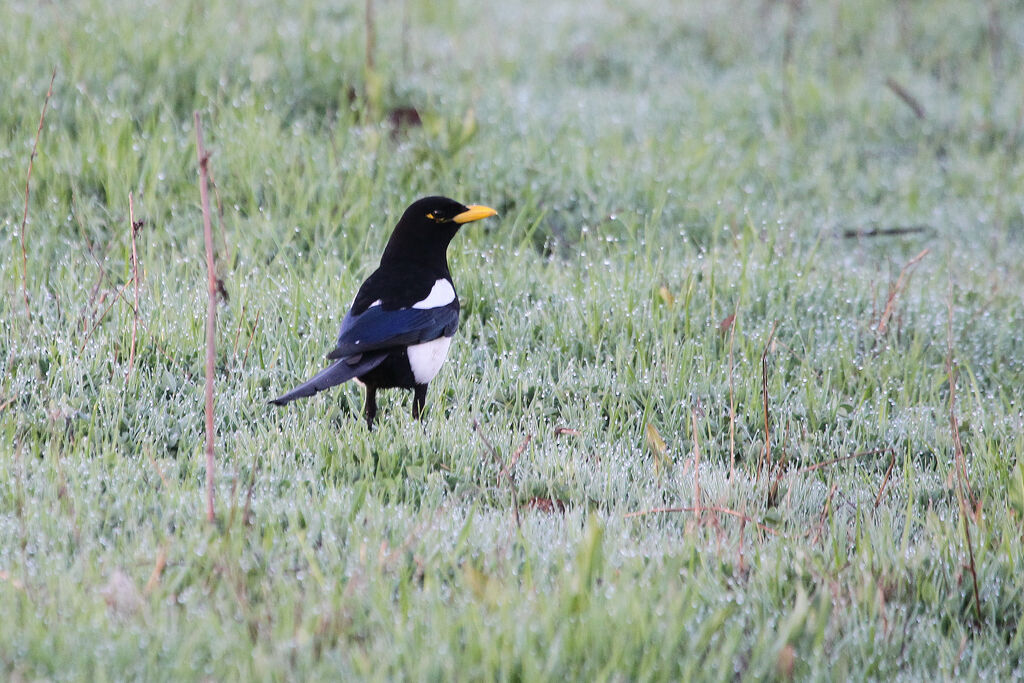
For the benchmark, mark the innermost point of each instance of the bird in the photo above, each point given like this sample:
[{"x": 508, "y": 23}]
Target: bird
[{"x": 397, "y": 332}]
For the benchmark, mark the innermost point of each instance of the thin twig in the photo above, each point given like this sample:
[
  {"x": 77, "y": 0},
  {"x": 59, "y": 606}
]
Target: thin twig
[
  {"x": 885, "y": 480},
  {"x": 906, "y": 97},
  {"x": 160, "y": 349},
  {"x": 370, "y": 36},
  {"x": 133, "y": 228},
  {"x": 508, "y": 475},
  {"x": 211, "y": 312},
  {"x": 741, "y": 564},
  {"x": 732, "y": 395},
  {"x": 894, "y": 290},
  {"x": 696, "y": 465},
  {"x": 507, "y": 470},
  {"x": 238, "y": 331},
  {"x": 220, "y": 214},
  {"x": 158, "y": 569},
  {"x": 899, "y": 231},
  {"x": 766, "y": 459},
  {"x": 788, "y": 42},
  {"x": 247, "y": 510},
  {"x": 255, "y": 325},
  {"x": 156, "y": 466},
  {"x": 104, "y": 275},
  {"x": 28, "y": 179},
  {"x": 960, "y": 460},
  {"x": 106, "y": 310},
  {"x": 709, "y": 508},
  {"x": 963, "y": 484},
  {"x": 824, "y": 514},
  {"x": 833, "y": 461}
]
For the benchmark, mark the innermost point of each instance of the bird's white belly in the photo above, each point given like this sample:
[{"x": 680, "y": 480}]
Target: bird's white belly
[{"x": 426, "y": 359}]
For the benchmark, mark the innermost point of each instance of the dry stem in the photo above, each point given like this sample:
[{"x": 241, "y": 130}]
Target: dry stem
[
  {"x": 963, "y": 484},
  {"x": 211, "y": 312},
  {"x": 28, "y": 179},
  {"x": 709, "y": 508},
  {"x": 255, "y": 325},
  {"x": 696, "y": 465},
  {"x": 766, "y": 459},
  {"x": 890, "y": 303},
  {"x": 133, "y": 227},
  {"x": 885, "y": 480},
  {"x": 732, "y": 396},
  {"x": 906, "y": 97},
  {"x": 502, "y": 470},
  {"x": 833, "y": 461}
]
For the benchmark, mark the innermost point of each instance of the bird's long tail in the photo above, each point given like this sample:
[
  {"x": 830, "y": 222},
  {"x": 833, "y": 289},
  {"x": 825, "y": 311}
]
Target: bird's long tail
[{"x": 340, "y": 371}]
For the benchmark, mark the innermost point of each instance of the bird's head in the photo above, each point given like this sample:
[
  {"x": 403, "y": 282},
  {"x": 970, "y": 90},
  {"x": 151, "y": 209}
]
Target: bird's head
[
  {"x": 429, "y": 224},
  {"x": 441, "y": 211}
]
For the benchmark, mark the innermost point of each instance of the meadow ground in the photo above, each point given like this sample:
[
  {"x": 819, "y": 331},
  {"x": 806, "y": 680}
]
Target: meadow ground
[{"x": 757, "y": 261}]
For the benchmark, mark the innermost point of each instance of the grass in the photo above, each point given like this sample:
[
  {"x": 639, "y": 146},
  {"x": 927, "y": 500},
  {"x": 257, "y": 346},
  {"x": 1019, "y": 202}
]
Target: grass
[{"x": 658, "y": 167}]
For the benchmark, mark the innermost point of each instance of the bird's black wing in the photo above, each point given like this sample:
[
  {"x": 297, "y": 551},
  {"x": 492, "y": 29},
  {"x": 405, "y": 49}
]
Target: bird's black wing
[{"x": 376, "y": 329}]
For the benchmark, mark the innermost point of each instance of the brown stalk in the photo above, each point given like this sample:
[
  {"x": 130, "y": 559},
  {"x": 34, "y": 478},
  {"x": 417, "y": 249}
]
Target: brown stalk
[
  {"x": 156, "y": 466},
  {"x": 501, "y": 470},
  {"x": 103, "y": 275},
  {"x": 824, "y": 514},
  {"x": 732, "y": 397},
  {"x": 220, "y": 214},
  {"x": 766, "y": 459},
  {"x": 710, "y": 508},
  {"x": 963, "y": 484},
  {"x": 102, "y": 315},
  {"x": 238, "y": 331},
  {"x": 371, "y": 37},
  {"x": 28, "y": 179},
  {"x": 995, "y": 36},
  {"x": 696, "y": 465},
  {"x": 788, "y": 42},
  {"x": 255, "y": 325},
  {"x": 906, "y": 97},
  {"x": 741, "y": 564},
  {"x": 160, "y": 349},
  {"x": 898, "y": 231},
  {"x": 507, "y": 470},
  {"x": 211, "y": 311},
  {"x": 833, "y": 461},
  {"x": 894, "y": 291},
  {"x": 158, "y": 570},
  {"x": 885, "y": 480},
  {"x": 133, "y": 228},
  {"x": 247, "y": 510}
]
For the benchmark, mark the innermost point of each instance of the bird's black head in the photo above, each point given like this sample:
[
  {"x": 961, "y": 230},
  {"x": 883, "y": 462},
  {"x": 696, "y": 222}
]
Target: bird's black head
[
  {"x": 428, "y": 225},
  {"x": 441, "y": 211}
]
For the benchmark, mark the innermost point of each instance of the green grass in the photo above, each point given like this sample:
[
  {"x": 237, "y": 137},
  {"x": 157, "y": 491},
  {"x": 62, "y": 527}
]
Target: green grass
[{"x": 657, "y": 169}]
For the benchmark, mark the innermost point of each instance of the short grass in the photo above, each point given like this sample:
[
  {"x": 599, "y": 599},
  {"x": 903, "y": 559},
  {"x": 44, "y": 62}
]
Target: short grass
[{"x": 659, "y": 168}]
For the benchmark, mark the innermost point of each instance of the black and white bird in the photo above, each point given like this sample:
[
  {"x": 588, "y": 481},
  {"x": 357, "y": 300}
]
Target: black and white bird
[{"x": 400, "y": 325}]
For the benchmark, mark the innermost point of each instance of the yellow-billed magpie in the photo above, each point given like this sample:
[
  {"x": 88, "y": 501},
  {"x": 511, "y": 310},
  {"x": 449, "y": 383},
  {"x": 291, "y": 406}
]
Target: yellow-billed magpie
[{"x": 400, "y": 325}]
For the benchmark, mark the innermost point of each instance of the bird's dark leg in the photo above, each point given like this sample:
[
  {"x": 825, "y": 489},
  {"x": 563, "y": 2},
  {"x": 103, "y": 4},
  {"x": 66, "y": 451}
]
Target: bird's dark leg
[
  {"x": 419, "y": 400},
  {"x": 370, "y": 409}
]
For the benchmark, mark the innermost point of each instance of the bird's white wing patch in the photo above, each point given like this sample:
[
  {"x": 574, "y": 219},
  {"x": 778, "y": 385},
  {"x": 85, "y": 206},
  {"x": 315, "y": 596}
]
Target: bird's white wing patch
[
  {"x": 426, "y": 359},
  {"x": 441, "y": 294}
]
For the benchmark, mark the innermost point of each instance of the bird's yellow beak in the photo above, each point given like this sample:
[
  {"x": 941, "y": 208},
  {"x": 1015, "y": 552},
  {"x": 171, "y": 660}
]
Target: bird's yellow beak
[{"x": 474, "y": 212}]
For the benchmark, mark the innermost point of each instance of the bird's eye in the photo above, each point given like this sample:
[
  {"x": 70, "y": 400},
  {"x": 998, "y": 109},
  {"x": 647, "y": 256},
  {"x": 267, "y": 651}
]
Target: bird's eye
[{"x": 431, "y": 216}]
